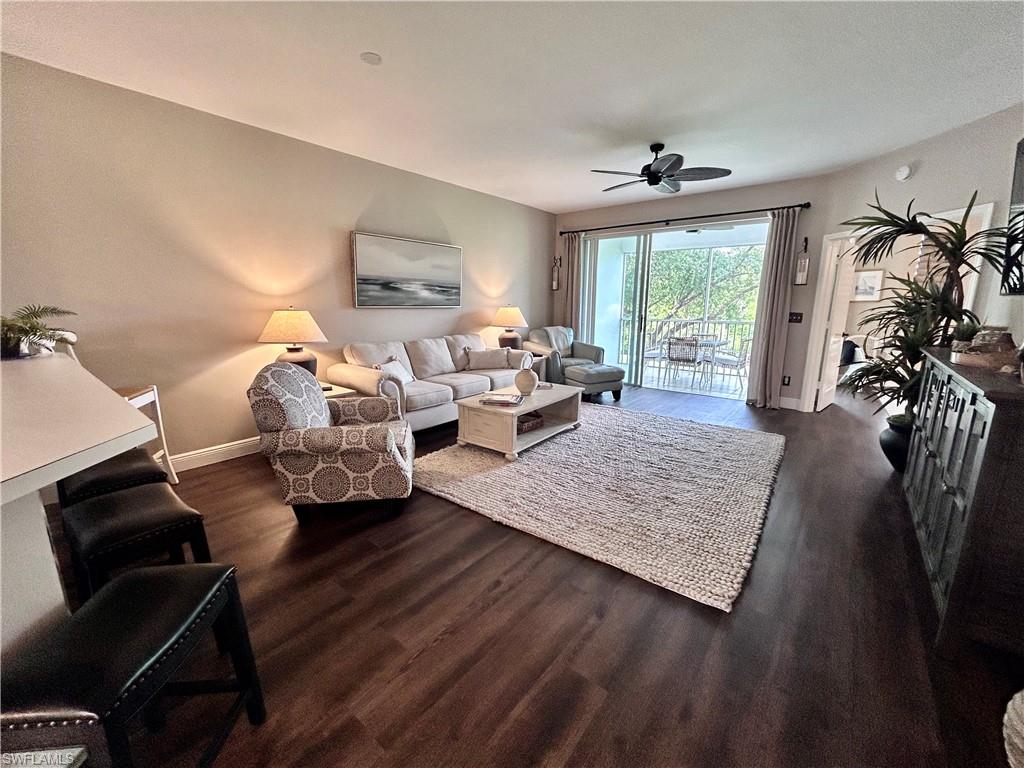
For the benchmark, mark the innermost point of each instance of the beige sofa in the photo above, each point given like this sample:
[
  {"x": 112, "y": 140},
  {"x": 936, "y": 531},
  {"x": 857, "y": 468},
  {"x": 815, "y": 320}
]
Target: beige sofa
[{"x": 438, "y": 374}]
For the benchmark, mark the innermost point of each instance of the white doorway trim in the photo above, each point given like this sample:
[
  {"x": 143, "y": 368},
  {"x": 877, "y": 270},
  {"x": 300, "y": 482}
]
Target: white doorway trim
[{"x": 819, "y": 318}]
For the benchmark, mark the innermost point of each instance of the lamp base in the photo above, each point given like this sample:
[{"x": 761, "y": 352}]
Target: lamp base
[
  {"x": 300, "y": 357},
  {"x": 510, "y": 339}
]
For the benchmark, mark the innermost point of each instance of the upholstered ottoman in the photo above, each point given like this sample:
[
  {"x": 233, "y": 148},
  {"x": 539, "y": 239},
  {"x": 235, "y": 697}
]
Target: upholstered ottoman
[{"x": 596, "y": 378}]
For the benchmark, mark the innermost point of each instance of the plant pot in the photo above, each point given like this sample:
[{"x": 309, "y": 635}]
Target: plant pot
[
  {"x": 895, "y": 442},
  {"x": 10, "y": 349}
]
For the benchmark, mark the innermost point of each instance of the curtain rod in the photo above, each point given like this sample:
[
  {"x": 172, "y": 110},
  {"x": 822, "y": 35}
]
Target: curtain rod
[{"x": 666, "y": 222}]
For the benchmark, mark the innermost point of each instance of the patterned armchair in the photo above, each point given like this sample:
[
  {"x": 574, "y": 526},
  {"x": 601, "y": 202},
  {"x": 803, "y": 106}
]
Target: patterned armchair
[{"x": 325, "y": 451}]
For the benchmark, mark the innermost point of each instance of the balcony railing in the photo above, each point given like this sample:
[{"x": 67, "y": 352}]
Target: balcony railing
[{"x": 733, "y": 332}]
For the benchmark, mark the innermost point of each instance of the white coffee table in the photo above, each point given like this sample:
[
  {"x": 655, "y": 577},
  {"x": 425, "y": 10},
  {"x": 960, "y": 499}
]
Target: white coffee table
[{"x": 494, "y": 426}]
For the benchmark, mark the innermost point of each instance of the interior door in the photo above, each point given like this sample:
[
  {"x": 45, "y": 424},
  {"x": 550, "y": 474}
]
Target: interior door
[{"x": 835, "y": 323}]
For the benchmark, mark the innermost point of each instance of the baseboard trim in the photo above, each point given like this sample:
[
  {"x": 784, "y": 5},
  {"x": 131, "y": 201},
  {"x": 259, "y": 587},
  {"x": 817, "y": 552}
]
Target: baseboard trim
[{"x": 215, "y": 453}]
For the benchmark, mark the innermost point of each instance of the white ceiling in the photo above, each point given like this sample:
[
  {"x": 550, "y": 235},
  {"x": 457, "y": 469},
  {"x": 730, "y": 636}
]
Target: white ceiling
[{"x": 520, "y": 99}]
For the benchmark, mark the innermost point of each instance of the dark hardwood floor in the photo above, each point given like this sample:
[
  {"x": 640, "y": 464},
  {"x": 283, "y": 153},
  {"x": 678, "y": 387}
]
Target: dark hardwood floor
[{"x": 437, "y": 637}]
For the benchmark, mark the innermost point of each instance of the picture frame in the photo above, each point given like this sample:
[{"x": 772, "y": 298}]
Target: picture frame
[
  {"x": 867, "y": 285},
  {"x": 400, "y": 273}
]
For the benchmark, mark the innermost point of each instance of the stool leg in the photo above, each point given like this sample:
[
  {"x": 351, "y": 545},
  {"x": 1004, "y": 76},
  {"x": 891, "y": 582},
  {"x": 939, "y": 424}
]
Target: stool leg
[
  {"x": 200, "y": 546},
  {"x": 165, "y": 459},
  {"x": 83, "y": 581},
  {"x": 94, "y": 576},
  {"x": 153, "y": 716},
  {"x": 201, "y": 554},
  {"x": 118, "y": 746},
  {"x": 242, "y": 659},
  {"x": 177, "y": 553}
]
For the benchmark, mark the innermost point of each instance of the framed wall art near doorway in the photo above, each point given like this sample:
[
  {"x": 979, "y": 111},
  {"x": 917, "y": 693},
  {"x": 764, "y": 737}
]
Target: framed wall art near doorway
[{"x": 867, "y": 285}]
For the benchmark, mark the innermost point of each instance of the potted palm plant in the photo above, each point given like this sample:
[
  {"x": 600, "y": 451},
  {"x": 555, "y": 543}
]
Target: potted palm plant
[
  {"x": 25, "y": 327},
  {"x": 910, "y": 320},
  {"x": 917, "y": 315}
]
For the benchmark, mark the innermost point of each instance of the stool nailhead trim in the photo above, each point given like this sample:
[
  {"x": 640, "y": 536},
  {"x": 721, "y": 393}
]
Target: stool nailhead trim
[
  {"x": 169, "y": 651},
  {"x": 133, "y": 686},
  {"x": 148, "y": 535}
]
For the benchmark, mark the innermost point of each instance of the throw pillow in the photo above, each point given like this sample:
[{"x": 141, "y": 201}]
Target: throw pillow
[
  {"x": 486, "y": 359},
  {"x": 395, "y": 370}
]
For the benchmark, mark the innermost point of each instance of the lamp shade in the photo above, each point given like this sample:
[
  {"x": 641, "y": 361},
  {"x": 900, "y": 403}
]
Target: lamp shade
[
  {"x": 291, "y": 326},
  {"x": 509, "y": 317}
]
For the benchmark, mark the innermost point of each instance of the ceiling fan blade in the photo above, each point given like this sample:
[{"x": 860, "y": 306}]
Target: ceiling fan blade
[
  {"x": 621, "y": 173},
  {"x": 666, "y": 165},
  {"x": 699, "y": 174},
  {"x": 626, "y": 184},
  {"x": 668, "y": 186}
]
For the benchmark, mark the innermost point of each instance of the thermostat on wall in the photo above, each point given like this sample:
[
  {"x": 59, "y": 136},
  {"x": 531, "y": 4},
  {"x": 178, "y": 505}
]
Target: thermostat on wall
[{"x": 903, "y": 173}]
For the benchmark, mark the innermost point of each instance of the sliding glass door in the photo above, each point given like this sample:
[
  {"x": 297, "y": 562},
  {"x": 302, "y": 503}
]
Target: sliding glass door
[
  {"x": 642, "y": 289},
  {"x": 614, "y": 291}
]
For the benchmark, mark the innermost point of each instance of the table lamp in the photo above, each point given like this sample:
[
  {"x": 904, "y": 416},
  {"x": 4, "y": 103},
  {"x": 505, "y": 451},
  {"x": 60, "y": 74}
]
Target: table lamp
[
  {"x": 509, "y": 318},
  {"x": 293, "y": 327}
]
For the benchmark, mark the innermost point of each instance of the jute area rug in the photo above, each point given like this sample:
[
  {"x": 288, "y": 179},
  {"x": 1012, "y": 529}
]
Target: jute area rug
[{"x": 677, "y": 503}]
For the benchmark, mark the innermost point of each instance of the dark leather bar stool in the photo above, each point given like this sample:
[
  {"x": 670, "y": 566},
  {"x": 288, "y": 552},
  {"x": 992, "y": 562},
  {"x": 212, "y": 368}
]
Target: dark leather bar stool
[
  {"x": 121, "y": 528},
  {"x": 126, "y": 470},
  {"x": 84, "y": 681}
]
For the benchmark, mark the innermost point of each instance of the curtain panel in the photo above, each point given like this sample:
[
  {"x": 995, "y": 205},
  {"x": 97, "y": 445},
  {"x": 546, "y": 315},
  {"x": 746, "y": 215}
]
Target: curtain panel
[
  {"x": 571, "y": 259},
  {"x": 772, "y": 317}
]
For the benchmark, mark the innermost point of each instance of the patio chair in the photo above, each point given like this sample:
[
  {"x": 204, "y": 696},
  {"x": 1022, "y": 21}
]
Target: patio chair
[
  {"x": 683, "y": 352},
  {"x": 735, "y": 361}
]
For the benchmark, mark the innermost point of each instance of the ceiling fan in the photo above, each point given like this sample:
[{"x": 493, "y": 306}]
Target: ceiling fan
[{"x": 665, "y": 172}]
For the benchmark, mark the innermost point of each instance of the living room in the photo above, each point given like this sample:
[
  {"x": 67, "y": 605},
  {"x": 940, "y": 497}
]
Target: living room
[{"x": 687, "y": 538}]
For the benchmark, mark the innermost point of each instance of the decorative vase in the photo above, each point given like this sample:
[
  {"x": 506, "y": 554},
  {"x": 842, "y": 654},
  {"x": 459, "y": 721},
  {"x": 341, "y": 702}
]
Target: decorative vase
[
  {"x": 895, "y": 442},
  {"x": 526, "y": 381}
]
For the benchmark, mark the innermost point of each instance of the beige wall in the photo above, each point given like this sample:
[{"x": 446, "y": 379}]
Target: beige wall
[
  {"x": 947, "y": 170},
  {"x": 174, "y": 233}
]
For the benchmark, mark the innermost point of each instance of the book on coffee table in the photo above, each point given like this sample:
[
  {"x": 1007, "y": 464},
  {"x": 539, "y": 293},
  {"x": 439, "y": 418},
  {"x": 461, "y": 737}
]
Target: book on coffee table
[{"x": 509, "y": 401}]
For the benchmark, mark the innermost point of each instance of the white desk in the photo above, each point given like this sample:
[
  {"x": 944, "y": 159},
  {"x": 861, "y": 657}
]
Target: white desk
[{"x": 56, "y": 419}]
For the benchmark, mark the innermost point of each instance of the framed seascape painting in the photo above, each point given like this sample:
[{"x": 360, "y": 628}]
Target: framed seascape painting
[
  {"x": 867, "y": 286},
  {"x": 396, "y": 272}
]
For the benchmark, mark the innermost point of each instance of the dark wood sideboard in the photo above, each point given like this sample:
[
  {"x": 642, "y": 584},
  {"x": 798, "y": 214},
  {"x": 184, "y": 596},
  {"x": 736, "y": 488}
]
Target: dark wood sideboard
[{"x": 965, "y": 487}]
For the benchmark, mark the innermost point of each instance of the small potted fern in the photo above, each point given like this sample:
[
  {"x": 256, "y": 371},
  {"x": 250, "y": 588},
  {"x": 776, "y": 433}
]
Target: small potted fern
[{"x": 25, "y": 327}]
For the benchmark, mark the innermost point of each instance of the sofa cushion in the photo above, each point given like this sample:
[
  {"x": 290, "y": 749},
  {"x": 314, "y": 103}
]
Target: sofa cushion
[
  {"x": 485, "y": 359},
  {"x": 367, "y": 354},
  {"x": 500, "y": 377},
  {"x": 593, "y": 374},
  {"x": 457, "y": 344},
  {"x": 568, "y": 362},
  {"x": 423, "y": 394},
  {"x": 462, "y": 384},
  {"x": 429, "y": 357},
  {"x": 396, "y": 370}
]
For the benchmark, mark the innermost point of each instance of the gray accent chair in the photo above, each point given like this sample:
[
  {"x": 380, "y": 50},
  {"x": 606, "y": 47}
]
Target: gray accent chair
[{"x": 557, "y": 343}]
